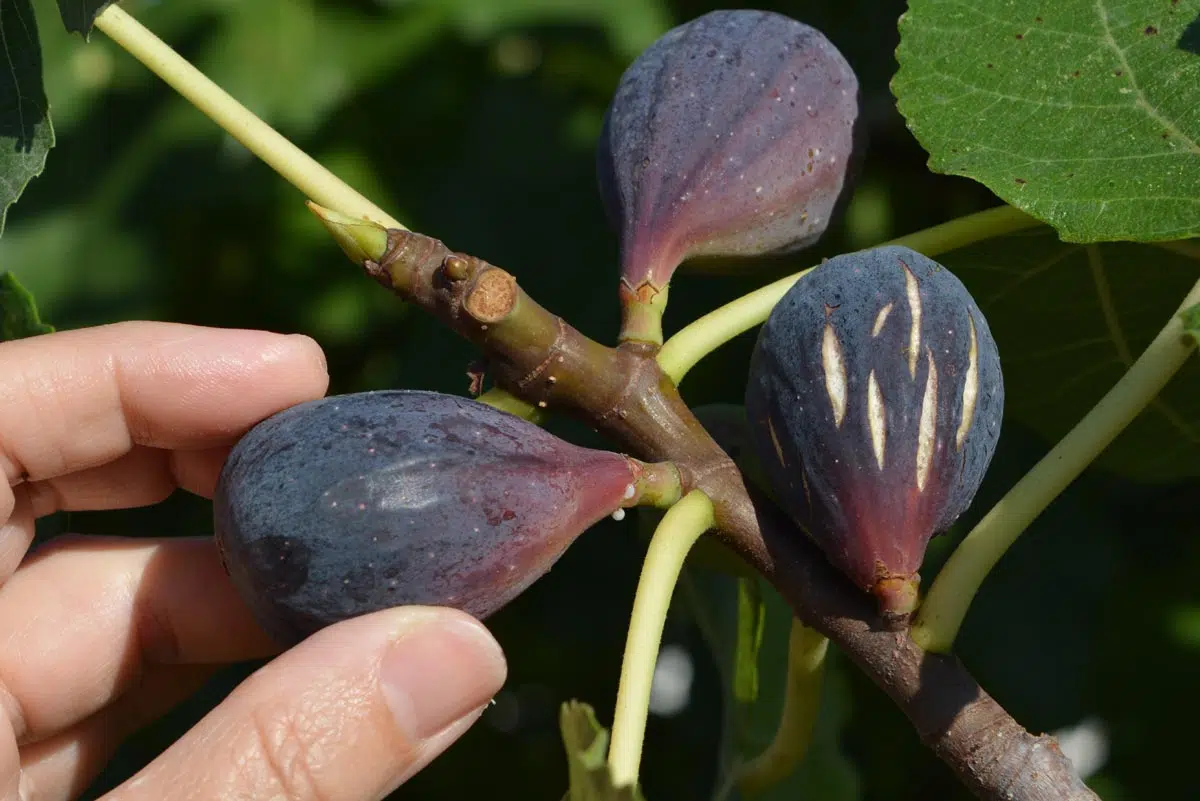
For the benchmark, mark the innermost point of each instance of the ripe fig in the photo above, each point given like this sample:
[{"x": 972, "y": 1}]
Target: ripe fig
[
  {"x": 732, "y": 135},
  {"x": 351, "y": 504},
  {"x": 875, "y": 400}
]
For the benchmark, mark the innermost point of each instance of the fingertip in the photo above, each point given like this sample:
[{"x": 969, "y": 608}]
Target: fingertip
[
  {"x": 312, "y": 351},
  {"x": 441, "y": 666}
]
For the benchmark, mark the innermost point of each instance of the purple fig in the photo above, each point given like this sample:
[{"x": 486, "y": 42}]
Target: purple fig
[
  {"x": 875, "y": 401},
  {"x": 732, "y": 135},
  {"x": 350, "y": 504}
]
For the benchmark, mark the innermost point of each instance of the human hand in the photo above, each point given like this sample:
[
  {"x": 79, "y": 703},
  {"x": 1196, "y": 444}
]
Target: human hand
[{"x": 102, "y": 635}]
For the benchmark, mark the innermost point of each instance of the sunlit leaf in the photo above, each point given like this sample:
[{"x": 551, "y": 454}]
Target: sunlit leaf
[
  {"x": 1084, "y": 113},
  {"x": 26, "y": 134},
  {"x": 1069, "y": 319}
]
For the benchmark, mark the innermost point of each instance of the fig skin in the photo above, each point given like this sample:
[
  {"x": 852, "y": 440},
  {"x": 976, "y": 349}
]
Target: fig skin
[
  {"x": 732, "y": 135},
  {"x": 874, "y": 521},
  {"x": 350, "y": 504}
]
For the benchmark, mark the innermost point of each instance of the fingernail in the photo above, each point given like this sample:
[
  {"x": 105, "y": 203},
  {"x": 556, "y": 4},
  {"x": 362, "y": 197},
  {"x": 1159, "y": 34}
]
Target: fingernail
[{"x": 440, "y": 672}]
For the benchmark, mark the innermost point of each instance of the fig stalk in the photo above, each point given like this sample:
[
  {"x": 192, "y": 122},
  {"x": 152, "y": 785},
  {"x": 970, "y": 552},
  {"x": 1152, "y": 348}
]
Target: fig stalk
[{"x": 677, "y": 532}]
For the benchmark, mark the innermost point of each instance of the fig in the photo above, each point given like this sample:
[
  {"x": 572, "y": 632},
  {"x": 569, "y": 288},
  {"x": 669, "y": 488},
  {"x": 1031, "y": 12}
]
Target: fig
[
  {"x": 350, "y": 504},
  {"x": 731, "y": 135},
  {"x": 875, "y": 400}
]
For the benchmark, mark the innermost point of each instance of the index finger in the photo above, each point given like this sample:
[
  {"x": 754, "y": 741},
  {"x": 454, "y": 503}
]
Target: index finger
[{"x": 78, "y": 399}]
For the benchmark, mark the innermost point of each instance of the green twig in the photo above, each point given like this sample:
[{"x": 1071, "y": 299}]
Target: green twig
[
  {"x": 941, "y": 614},
  {"x": 692, "y": 343},
  {"x": 801, "y": 701},
  {"x": 296, "y": 166},
  {"x": 276, "y": 151},
  {"x": 679, "y": 529}
]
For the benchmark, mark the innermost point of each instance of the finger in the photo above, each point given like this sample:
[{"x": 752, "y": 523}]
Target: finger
[
  {"x": 10, "y": 764},
  {"x": 142, "y": 477},
  {"x": 347, "y": 715},
  {"x": 85, "y": 616},
  {"x": 79, "y": 399},
  {"x": 61, "y": 767},
  {"x": 16, "y": 534}
]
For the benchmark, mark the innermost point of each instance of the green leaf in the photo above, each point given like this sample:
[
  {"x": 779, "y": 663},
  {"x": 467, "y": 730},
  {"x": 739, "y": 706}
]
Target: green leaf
[
  {"x": 586, "y": 742},
  {"x": 79, "y": 15},
  {"x": 1191, "y": 321},
  {"x": 752, "y": 620},
  {"x": 18, "y": 313},
  {"x": 1083, "y": 113},
  {"x": 26, "y": 134},
  {"x": 1069, "y": 319}
]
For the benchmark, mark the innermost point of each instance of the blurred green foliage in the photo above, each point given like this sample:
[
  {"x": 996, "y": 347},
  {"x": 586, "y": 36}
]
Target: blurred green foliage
[
  {"x": 18, "y": 313},
  {"x": 474, "y": 121}
]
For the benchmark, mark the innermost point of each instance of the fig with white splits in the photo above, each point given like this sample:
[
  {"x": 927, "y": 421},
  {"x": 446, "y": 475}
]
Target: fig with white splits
[{"x": 875, "y": 401}]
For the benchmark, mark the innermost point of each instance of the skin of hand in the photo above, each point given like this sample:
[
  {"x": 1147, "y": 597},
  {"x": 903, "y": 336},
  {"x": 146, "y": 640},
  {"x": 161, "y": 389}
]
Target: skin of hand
[{"x": 103, "y": 635}]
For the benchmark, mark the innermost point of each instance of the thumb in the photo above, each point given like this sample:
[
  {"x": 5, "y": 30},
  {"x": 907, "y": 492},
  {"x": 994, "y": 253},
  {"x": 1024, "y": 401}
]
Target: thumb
[{"x": 347, "y": 715}]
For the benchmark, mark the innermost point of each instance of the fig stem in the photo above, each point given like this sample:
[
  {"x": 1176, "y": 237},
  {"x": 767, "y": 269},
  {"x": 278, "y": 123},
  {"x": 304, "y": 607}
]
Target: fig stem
[
  {"x": 692, "y": 343},
  {"x": 674, "y": 537},
  {"x": 659, "y": 485},
  {"x": 642, "y": 314},
  {"x": 801, "y": 701},
  {"x": 941, "y": 613}
]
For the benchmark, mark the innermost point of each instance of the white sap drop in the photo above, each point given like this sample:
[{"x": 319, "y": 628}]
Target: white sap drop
[{"x": 618, "y": 515}]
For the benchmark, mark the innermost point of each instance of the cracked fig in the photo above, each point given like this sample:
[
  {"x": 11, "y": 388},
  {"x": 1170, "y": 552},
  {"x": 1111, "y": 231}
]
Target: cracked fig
[{"x": 875, "y": 401}]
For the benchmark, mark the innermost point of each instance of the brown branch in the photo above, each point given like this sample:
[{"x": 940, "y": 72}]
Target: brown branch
[{"x": 540, "y": 358}]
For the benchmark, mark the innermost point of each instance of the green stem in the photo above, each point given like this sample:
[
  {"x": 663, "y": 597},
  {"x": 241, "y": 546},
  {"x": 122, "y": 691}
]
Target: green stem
[
  {"x": 507, "y": 402},
  {"x": 691, "y": 344},
  {"x": 941, "y": 613},
  {"x": 658, "y": 485},
  {"x": 296, "y": 166},
  {"x": 642, "y": 315},
  {"x": 801, "y": 701},
  {"x": 679, "y": 529},
  {"x": 276, "y": 151}
]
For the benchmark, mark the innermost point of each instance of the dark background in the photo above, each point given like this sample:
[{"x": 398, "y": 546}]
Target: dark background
[{"x": 474, "y": 121}]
